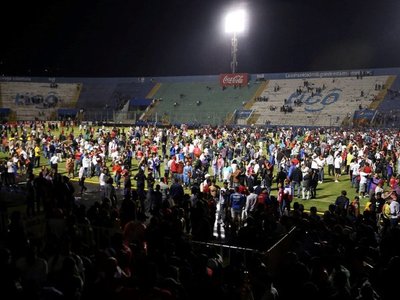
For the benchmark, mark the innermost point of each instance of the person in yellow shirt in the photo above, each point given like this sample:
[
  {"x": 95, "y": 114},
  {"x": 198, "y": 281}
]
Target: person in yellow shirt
[
  {"x": 349, "y": 158},
  {"x": 37, "y": 156}
]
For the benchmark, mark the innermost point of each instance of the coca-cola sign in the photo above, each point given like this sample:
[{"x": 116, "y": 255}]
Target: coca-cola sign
[{"x": 238, "y": 79}]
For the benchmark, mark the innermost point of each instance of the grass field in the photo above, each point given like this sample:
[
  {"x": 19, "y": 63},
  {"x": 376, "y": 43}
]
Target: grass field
[{"x": 326, "y": 192}]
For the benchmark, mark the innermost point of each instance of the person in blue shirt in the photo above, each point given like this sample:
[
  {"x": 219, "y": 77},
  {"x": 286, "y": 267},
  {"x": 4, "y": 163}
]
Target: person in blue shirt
[{"x": 237, "y": 202}]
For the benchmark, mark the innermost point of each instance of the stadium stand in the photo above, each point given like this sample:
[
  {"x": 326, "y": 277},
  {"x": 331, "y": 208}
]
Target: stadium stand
[
  {"x": 196, "y": 103},
  {"x": 331, "y": 98},
  {"x": 100, "y": 98},
  {"x": 37, "y": 100},
  {"x": 316, "y": 102}
]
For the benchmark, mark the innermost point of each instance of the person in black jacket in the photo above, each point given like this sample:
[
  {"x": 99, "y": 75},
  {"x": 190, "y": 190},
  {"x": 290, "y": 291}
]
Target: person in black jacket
[
  {"x": 295, "y": 180},
  {"x": 280, "y": 177},
  {"x": 177, "y": 192},
  {"x": 314, "y": 184},
  {"x": 110, "y": 193},
  {"x": 140, "y": 178},
  {"x": 30, "y": 196},
  {"x": 342, "y": 202}
]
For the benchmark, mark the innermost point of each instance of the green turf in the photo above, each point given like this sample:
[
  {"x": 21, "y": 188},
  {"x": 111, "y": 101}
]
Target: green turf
[{"x": 326, "y": 192}]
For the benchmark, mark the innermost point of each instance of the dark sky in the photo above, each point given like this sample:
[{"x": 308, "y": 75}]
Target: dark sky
[{"x": 107, "y": 38}]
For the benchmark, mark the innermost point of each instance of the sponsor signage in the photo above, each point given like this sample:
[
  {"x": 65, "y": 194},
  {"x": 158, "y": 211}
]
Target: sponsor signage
[{"x": 237, "y": 79}]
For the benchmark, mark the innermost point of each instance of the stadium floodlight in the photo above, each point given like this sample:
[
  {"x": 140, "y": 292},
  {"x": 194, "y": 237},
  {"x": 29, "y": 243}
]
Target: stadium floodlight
[{"x": 234, "y": 24}]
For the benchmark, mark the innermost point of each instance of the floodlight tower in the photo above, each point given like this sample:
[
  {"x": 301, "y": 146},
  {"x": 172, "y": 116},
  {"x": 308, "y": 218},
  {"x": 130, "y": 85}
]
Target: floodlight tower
[{"x": 234, "y": 24}]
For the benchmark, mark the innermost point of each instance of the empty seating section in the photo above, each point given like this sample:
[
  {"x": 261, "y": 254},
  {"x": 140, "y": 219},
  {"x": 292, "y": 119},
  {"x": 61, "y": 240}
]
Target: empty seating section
[
  {"x": 316, "y": 101},
  {"x": 97, "y": 94},
  {"x": 100, "y": 97},
  {"x": 30, "y": 100},
  {"x": 192, "y": 103}
]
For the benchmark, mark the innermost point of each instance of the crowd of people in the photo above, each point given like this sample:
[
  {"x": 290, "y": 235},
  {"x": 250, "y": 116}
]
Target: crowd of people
[{"x": 161, "y": 189}]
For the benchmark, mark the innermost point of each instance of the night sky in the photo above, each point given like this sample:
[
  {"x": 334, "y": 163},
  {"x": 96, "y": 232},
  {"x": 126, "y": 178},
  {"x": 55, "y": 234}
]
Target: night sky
[{"x": 108, "y": 38}]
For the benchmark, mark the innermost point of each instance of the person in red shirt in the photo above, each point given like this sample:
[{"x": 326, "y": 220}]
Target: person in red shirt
[
  {"x": 368, "y": 169},
  {"x": 154, "y": 149},
  {"x": 243, "y": 189},
  {"x": 179, "y": 170},
  {"x": 394, "y": 183},
  {"x": 174, "y": 167},
  {"x": 78, "y": 161},
  {"x": 117, "y": 169},
  {"x": 139, "y": 154}
]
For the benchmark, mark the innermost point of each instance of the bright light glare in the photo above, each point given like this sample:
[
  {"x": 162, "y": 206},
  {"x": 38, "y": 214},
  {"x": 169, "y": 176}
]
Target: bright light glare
[{"x": 234, "y": 21}]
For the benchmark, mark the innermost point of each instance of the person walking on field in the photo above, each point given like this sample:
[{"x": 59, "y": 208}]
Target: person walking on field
[
  {"x": 37, "y": 156},
  {"x": 110, "y": 193},
  {"x": 69, "y": 166},
  {"x": 342, "y": 202},
  {"x": 338, "y": 166},
  {"x": 54, "y": 163},
  {"x": 82, "y": 177}
]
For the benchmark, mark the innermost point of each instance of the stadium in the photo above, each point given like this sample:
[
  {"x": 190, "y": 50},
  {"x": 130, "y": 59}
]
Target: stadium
[
  {"x": 330, "y": 102},
  {"x": 233, "y": 185}
]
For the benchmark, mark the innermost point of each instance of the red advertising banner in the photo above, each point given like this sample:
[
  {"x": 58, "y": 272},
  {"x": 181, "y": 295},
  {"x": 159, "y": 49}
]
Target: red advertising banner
[{"x": 237, "y": 79}]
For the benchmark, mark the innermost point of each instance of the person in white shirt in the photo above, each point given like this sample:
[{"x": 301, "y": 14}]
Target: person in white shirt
[
  {"x": 338, "y": 166},
  {"x": 234, "y": 165},
  {"x": 10, "y": 179},
  {"x": 394, "y": 210},
  {"x": 103, "y": 179},
  {"x": 82, "y": 176},
  {"x": 314, "y": 163},
  {"x": 379, "y": 188},
  {"x": 329, "y": 161},
  {"x": 227, "y": 172},
  {"x": 321, "y": 164},
  {"x": 86, "y": 164},
  {"x": 363, "y": 183},
  {"x": 355, "y": 172},
  {"x": 54, "y": 162}
]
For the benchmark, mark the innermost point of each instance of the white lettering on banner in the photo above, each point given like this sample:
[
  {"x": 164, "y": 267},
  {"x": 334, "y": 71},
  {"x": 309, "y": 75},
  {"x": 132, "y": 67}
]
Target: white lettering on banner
[
  {"x": 329, "y": 74},
  {"x": 240, "y": 79},
  {"x": 8, "y": 78},
  {"x": 237, "y": 79}
]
